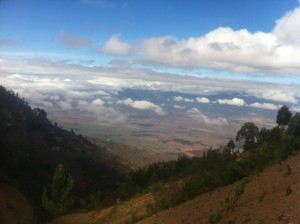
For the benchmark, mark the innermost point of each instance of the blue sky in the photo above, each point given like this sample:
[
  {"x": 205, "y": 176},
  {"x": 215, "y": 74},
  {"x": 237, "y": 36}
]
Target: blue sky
[
  {"x": 79, "y": 52},
  {"x": 36, "y": 26}
]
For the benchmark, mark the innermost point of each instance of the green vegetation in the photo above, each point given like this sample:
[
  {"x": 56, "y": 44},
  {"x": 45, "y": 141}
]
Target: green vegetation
[
  {"x": 248, "y": 135},
  {"x": 283, "y": 116},
  {"x": 58, "y": 199}
]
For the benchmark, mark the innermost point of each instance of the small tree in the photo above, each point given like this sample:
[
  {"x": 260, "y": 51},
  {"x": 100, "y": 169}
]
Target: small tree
[
  {"x": 230, "y": 145},
  {"x": 248, "y": 134},
  {"x": 58, "y": 199},
  {"x": 283, "y": 116}
]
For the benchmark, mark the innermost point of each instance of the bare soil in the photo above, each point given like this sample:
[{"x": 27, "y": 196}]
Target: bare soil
[
  {"x": 273, "y": 196},
  {"x": 14, "y": 207}
]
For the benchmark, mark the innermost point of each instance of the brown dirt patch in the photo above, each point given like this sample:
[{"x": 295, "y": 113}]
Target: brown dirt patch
[
  {"x": 14, "y": 207},
  {"x": 273, "y": 196}
]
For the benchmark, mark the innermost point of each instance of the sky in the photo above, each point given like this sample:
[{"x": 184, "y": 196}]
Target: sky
[{"x": 81, "y": 54}]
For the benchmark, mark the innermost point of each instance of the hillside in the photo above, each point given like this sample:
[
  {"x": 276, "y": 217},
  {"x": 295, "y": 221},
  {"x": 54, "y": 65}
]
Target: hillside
[
  {"x": 256, "y": 184},
  {"x": 32, "y": 146},
  {"x": 271, "y": 196}
]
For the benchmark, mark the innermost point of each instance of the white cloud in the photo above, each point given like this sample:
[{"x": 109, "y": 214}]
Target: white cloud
[
  {"x": 64, "y": 105},
  {"x": 143, "y": 105},
  {"x": 234, "y": 102},
  {"x": 180, "y": 98},
  {"x": 78, "y": 94},
  {"x": 98, "y": 102},
  {"x": 115, "y": 47},
  {"x": 108, "y": 115},
  {"x": 82, "y": 103},
  {"x": 178, "y": 107},
  {"x": 276, "y": 52},
  {"x": 47, "y": 104},
  {"x": 54, "y": 97},
  {"x": 188, "y": 100},
  {"x": 195, "y": 113},
  {"x": 287, "y": 28},
  {"x": 202, "y": 100},
  {"x": 72, "y": 41},
  {"x": 287, "y": 96},
  {"x": 268, "y": 106}
]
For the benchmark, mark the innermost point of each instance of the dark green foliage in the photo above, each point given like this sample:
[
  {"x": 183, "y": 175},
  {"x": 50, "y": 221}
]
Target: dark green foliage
[
  {"x": 230, "y": 145},
  {"x": 294, "y": 125},
  {"x": 276, "y": 133},
  {"x": 264, "y": 135},
  {"x": 247, "y": 134},
  {"x": 159, "y": 171},
  {"x": 58, "y": 199},
  {"x": 283, "y": 116}
]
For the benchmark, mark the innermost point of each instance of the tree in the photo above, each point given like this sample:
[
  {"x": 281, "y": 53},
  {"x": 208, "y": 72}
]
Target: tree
[
  {"x": 248, "y": 134},
  {"x": 294, "y": 125},
  {"x": 40, "y": 113},
  {"x": 230, "y": 145},
  {"x": 58, "y": 199},
  {"x": 264, "y": 135},
  {"x": 283, "y": 116}
]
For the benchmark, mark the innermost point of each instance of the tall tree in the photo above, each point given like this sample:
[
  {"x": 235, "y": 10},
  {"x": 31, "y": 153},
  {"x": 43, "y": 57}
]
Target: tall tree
[
  {"x": 248, "y": 135},
  {"x": 294, "y": 125},
  {"x": 283, "y": 116},
  {"x": 58, "y": 199}
]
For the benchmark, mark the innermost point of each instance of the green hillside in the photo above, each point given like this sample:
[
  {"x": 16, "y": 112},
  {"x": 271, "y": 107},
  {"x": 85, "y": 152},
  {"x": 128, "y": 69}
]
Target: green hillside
[{"x": 32, "y": 146}]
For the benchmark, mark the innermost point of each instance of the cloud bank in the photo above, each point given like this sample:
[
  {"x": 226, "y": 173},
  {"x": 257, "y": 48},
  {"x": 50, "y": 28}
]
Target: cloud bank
[{"x": 276, "y": 52}]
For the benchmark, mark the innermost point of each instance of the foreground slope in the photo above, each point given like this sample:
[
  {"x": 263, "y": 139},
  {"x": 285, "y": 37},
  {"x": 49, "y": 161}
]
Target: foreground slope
[
  {"x": 270, "y": 197},
  {"x": 14, "y": 207}
]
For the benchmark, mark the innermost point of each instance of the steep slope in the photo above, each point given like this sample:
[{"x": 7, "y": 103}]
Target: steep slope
[
  {"x": 270, "y": 197},
  {"x": 32, "y": 146}
]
